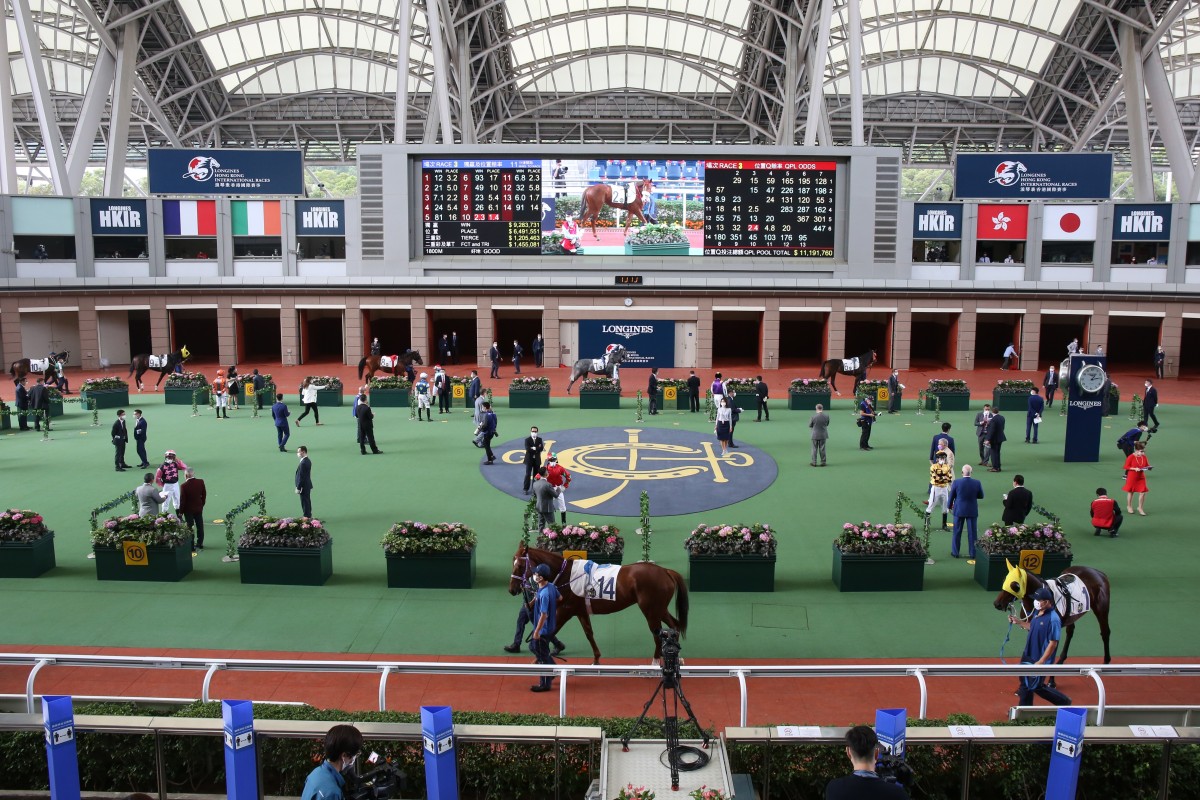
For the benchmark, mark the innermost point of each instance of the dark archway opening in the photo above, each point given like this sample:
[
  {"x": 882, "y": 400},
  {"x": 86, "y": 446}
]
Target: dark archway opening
[
  {"x": 934, "y": 343},
  {"x": 803, "y": 338},
  {"x": 1132, "y": 342},
  {"x": 994, "y": 333}
]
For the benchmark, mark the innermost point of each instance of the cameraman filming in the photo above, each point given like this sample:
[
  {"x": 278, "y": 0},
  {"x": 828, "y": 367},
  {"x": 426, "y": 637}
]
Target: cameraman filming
[
  {"x": 862, "y": 747},
  {"x": 342, "y": 746}
]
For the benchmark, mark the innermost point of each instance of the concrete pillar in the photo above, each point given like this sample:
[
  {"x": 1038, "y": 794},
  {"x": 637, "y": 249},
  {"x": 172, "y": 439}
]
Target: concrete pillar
[
  {"x": 418, "y": 331},
  {"x": 1031, "y": 334},
  {"x": 352, "y": 323},
  {"x": 1098, "y": 331},
  {"x": 770, "y": 336},
  {"x": 551, "y": 332},
  {"x": 89, "y": 334},
  {"x": 901, "y": 338},
  {"x": 485, "y": 334},
  {"x": 160, "y": 324},
  {"x": 289, "y": 331},
  {"x": 704, "y": 334},
  {"x": 965, "y": 358},
  {"x": 226, "y": 331},
  {"x": 10, "y": 329},
  {"x": 836, "y": 340},
  {"x": 1171, "y": 339}
]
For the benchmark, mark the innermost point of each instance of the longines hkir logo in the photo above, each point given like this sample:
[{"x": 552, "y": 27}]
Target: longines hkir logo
[
  {"x": 682, "y": 470},
  {"x": 1008, "y": 173},
  {"x": 202, "y": 168},
  {"x": 626, "y": 331}
]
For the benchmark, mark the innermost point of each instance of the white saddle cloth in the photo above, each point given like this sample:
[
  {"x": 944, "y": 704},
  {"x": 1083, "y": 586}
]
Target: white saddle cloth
[
  {"x": 597, "y": 365},
  {"x": 598, "y": 581},
  {"x": 387, "y": 362},
  {"x": 1071, "y": 597},
  {"x": 38, "y": 364},
  {"x": 158, "y": 362},
  {"x": 850, "y": 364}
]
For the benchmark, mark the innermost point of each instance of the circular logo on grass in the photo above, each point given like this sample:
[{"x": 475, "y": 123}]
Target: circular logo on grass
[{"x": 610, "y": 467}]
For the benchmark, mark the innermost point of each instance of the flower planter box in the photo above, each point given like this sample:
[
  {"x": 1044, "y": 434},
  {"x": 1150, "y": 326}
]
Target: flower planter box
[
  {"x": 991, "y": 569},
  {"x": 107, "y": 398},
  {"x": 599, "y": 400},
  {"x": 431, "y": 570},
  {"x": 951, "y": 401},
  {"x": 731, "y": 573},
  {"x": 183, "y": 396},
  {"x": 56, "y": 410},
  {"x": 389, "y": 398},
  {"x": 853, "y": 572},
  {"x": 664, "y": 249},
  {"x": 286, "y": 566},
  {"x": 528, "y": 399},
  {"x": 682, "y": 401},
  {"x": 1006, "y": 401},
  {"x": 1111, "y": 408},
  {"x": 27, "y": 559},
  {"x": 329, "y": 398},
  {"x": 4, "y": 420},
  {"x": 808, "y": 401},
  {"x": 168, "y": 564}
]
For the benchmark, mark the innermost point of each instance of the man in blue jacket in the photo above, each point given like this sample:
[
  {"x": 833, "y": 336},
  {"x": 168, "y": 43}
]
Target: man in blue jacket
[
  {"x": 965, "y": 494},
  {"x": 1033, "y": 416},
  {"x": 342, "y": 745}
]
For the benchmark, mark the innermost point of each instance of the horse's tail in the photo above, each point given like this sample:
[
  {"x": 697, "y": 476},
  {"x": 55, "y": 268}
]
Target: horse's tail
[
  {"x": 362, "y": 365},
  {"x": 681, "y": 601},
  {"x": 824, "y": 364},
  {"x": 133, "y": 363}
]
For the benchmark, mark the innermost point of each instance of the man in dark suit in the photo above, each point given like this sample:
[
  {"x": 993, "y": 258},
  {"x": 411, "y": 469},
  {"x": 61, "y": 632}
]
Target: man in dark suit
[
  {"x": 474, "y": 388},
  {"x": 304, "y": 483},
  {"x": 937, "y": 437},
  {"x": 22, "y": 404},
  {"x": 39, "y": 400},
  {"x": 120, "y": 436},
  {"x": 445, "y": 353},
  {"x": 1033, "y": 416},
  {"x": 1050, "y": 383},
  {"x": 518, "y": 351},
  {"x": 652, "y": 390},
  {"x": 965, "y": 494},
  {"x": 1148, "y": 405},
  {"x": 534, "y": 446},
  {"x": 693, "y": 384},
  {"x": 454, "y": 345},
  {"x": 894, "y": 392},
  {"x": 494, "y": 357},
  {"x": 1018, "y": 502},
  {"x": 366, "y": 427},
  {"x": 994, "y": 438},
  {"x": 762, "y": 392},
  {"x": 539, "y": 351},
  {"x": 139, "y": 436}
]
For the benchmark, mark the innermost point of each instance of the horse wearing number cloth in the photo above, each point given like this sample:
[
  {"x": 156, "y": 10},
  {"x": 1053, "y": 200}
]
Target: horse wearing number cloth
[
  {"x": 46, "y": 367},
  {"x": 599, "y": 195},
  {"x": 645, "y": 584},
  {"x": 393, "y": 364},
  {"x": 847, "y": 366},
  {"x": 164, "y": 365},
  {"x": 609, "y": 365}
]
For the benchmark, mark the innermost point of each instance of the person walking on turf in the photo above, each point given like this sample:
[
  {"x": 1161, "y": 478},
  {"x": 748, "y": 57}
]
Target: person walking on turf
[
  {"x": 304, "y": 484},
  {"x": 366, "y": 427},
  {"x": 280, "y": 413},
  {"x": 524, "y": 617},
  {"x": 545, "y": 610},
  {"x": 488, "y": 428},
  {"x": 866, "y": 419},
  {"x": 1149, "y": 404},
  {"x": 308, "y": 396},
  {"x": 819, "y": 423},
  {"x": 762, "y": 393}
]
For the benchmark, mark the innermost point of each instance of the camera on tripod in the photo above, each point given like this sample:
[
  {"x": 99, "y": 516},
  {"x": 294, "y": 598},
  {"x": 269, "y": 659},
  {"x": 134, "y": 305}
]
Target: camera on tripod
[
  {"x": 669, "y": 642},
  {"x": 381, "y": 783},
  {"x": 894, "y": 769}
]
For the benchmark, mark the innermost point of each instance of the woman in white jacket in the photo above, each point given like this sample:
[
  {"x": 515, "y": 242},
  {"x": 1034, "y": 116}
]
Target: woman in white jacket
[{"x": 308, "y": 396}]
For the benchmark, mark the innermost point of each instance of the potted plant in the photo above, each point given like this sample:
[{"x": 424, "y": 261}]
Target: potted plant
[
  {"x": 872, "y": 389},
  {"x": 1011, "y": 395},
  {"x": 424, "y": 556},
  {"x": 1112, "y": 401},
  {"x": 134, "y": 548},
  {"x": 389, "y": 391},
  {"x": 1002, "y": 543},
  {"x": 26, "y": 544},
  {"x": 600, "y": 392},
  {"x": 5, "y": 411},
  {"x": 108, "y": 392},
  {"x": 181, "y": 387},
  {"x": 458, "y": 390},
  {"x": 331, "y": 394},
  {"x": 871, "y": 557},
  {"x": 731, "y": 558},
  {"x": 673, "y": 393},
  {"x": 527, "y": 391},
  {"x": 600, "y": 543},
  {"x": 954, "y": 395},
  {"x": 658, "y": 240},
  {"x": 56, "y": 402},
  {"x": 289, "y": 551},
  {"x": 805, "y": 393}
]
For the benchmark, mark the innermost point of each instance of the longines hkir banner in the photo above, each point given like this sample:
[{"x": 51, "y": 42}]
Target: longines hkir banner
[
  {"x": 1141, "y": 222},
  {"x": 320, "y": 218},
  {"x": 937, "y": 221},
  {"x": 273, "y": 172},
  {"x": 649, "y": 343},
  {"x": 118, "y": 217},
  {"x": 1033, "y": 176}
]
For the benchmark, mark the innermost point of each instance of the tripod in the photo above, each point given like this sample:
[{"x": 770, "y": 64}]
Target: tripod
[{"x": 670, "y": 684}]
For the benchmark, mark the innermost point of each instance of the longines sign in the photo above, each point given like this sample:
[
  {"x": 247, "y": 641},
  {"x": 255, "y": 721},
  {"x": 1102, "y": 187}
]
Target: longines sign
[{"x": 650, "y": 343}]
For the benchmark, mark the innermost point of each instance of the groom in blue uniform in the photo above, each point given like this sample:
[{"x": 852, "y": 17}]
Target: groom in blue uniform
[{"x": 545, "y": 609}]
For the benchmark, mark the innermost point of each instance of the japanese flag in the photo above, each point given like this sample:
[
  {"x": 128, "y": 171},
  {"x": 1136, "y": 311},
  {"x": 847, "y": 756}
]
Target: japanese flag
[{"x": 1063, "y": 223}]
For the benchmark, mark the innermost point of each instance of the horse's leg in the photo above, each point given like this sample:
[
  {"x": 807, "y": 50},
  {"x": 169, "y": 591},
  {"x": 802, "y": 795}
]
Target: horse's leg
[
  {"x": 138, "y": 379},
  {"x": 1101, "y": 613},
  {"x": 161, "y": 375},
  {"x": 586, "y": 623},
  {"x": 574, "y": 377}
]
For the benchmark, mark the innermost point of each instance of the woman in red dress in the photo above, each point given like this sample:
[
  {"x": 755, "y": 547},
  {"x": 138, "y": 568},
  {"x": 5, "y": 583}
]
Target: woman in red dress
[{"x": 1136, "y": 467}]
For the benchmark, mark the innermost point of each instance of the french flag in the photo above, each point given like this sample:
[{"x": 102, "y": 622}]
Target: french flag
[{"x": 189, "y": 217}]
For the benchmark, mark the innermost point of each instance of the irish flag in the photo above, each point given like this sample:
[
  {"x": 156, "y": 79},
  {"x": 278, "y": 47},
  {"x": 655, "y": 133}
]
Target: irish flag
[
  {"x": 189, "y": 217},
  {"x": 255, "y": 217}
]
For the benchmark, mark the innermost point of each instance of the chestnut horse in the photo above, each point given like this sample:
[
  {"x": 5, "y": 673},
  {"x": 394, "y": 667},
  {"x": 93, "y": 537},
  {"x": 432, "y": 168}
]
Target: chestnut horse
[
  {"x": 599, "y": 195},
  {"x": 648, "y": 585},
  {"x": 836, "y": 366},
  {"x": 370, "y": 364}
]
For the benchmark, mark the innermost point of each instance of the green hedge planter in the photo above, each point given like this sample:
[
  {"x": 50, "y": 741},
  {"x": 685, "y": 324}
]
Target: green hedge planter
[
  {"x": 27, "y": 559},
  {"x": 56, "y": 409},
  {"x": 871, "y": 573},
  {"x": 990, "y": 569},
  {"x": 329, "y": 398},
  {"x": 389, "y": 398},
  {"x": 731, "y": 573},
  {"x": 166, "y": 564},
  {"x": 183, "y": 397},
  {"x": 5, "y": 424},
  {"x": 668, "y": 249},
  {"x": 599, "y": 400},
  {"x": 682, "y": 401},
  {"x": 431, "y": 570},
  {"x": 1006, "y": 401},
  {"x": 108, "y": 398},
  {"x": 1112, "y": 408},
  {"x": 528, "y": 399},
  {"x": 286, "y": 566},
  {"x": 951, "y": 401},
  {"x": 808, "y": 401}
]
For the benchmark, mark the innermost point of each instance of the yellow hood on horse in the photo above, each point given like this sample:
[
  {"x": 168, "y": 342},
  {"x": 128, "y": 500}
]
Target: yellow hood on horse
[
  {"x": 1014, "y": 582},
  {"x": 183, "y": 351}
]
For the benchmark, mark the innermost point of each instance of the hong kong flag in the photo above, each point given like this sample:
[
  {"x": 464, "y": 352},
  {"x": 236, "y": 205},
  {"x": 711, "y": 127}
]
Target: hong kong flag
[
  {"x": 1063, "y": 223},
  {"x": 1002, "y": 222}
]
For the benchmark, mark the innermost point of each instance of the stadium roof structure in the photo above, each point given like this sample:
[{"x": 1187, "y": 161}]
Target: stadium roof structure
[{"x": 100, "y": 81}]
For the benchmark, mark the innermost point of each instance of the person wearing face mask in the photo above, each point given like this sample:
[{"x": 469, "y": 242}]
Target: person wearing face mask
[
  {"x": 535, "y": 445},
  {"x": 326, "y": 782}
]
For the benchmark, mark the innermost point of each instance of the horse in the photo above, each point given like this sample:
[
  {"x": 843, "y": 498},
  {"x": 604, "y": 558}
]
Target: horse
[
  {"x": 586, "y": 366},
  {"x": 599, "y": 195},
  {"x": 166, "y": 365},
  {"x": 370, "y": 364},
  {"x": 644, "y": 583},
  {"x": 22, "y": 367},
  {"x": 847, "y": 366},
  {"x": 1020, "y": 584}
]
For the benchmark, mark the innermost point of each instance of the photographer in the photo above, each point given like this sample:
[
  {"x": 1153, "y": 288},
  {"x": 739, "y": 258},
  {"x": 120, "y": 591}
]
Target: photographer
[
  {"x": 862, "y": 747},
  {"x": 326, "y": 782}
]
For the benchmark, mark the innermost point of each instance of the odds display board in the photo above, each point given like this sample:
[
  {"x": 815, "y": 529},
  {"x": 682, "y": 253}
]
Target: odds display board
[{"x": 481, "y": 206}]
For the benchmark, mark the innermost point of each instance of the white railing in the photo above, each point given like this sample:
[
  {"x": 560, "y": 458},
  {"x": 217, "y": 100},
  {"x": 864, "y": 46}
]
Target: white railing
[{"x": 386, "y": 669}]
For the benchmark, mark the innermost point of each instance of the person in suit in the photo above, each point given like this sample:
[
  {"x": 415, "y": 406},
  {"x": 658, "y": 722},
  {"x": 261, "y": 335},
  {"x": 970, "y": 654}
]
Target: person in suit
[
  {"x": 693, "y": 384},
  {"x": 866, "y": 419},
  {"x": 534, "y": 446},
  {"x": 893, "y": 385},
  {"x": 192, "y": 497},
  {"x": 762, "y": 393},
  {"x": 518, "y": 351},
  {"x": 120, "y": 437},
  {"x": 995, "y": 438},
  {"x": 139, "y": 437},
  {"x": 258, "y": 382},
  {"x": 22, "y": 404},
  {"x": 366, "y": 426},
  {"x": 376, "y": 347},
  {"x": 488, "y": 428},
  {"x": 1073, "y": 347},
  {"x": 149, "y": 497},
  {"x": 280, "y": 413},
  {"x": 39, "y": 400},
  {"x": 539, "y": 351},
  {"x": 981, "y": 422},
  {"x": 445, "y": 353},
  {"x": 545, "y": 492},
  {"x": 474, "y": 388},
  {"x": 652, "y": 390},
  {"x": 965, "y": 494},
  {"x": 1018, "y": 502},
  {"x": 819, "y": 423},
  {"x": 454, "y": 345},
  {"x": 1160, "y": 359},
  {"x": 441, "y": 387},
  {"x": 494, "y": 357},
  {"x": 1149, "y": 404},
  {"x": 1033, "y": 415},
  {"x": 937, "y": 437},
  {"x": 304, "y": 484},
  {"x": 1050, "y": 384}
]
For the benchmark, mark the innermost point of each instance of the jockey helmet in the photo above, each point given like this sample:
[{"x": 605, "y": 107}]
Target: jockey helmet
[
  {"x": 424, "y": 374},
  {"x": 169, "y": 453},
  {"x": 220, "y": 373},
  {"x": 543, "y": 570}
]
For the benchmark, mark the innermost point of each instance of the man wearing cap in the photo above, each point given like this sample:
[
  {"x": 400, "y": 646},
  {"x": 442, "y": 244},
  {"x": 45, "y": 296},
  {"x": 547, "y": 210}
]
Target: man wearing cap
[
  {"x": 1045, "y": 630},
  {"x": 424, "y": 399},
  {"x": 545, "y": 610},
  {"x": 524, "y": 617},
  {"x": 559, "y": 478},
  {"x": 168, "y": 478}
]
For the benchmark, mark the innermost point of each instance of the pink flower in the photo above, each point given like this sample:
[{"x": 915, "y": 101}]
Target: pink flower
[
  {"x": 847, "y": 527},
  {"x": 745, "y": 531},
  {"x": 550, "y": 534},
  {"x": 766, "y": 537},
  {"x": 36, "y": 520},
  {"x": 18, "y": 516},
  {"x": 594, "y": 535},
  {"x": 746, "y": 536},
  {"x": 611, "y": 540}
]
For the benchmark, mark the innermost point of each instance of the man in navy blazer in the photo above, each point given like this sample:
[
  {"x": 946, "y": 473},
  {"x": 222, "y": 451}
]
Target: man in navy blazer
[
  {"x": 965, "y": 494},
  {"x": 1037, "y": 406},
  {"x": 937, "y": 437},
  {"x": 995, "y": 438}
]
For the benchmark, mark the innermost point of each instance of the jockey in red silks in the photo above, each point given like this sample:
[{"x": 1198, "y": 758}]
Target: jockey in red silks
[{"x": 571, "y": 236}]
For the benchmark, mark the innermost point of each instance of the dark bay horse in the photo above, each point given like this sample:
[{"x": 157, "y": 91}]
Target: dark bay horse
[
  {"x": 599, "y": 195},
  {"x": 22, "y": 367},
  {"x": 647, "y": 585},
  {"x": 586, "y": 366},
  {"x": 370, "y": 364},
  {"x": 1097, "y": 586},
  {"x": 141, "y": 365},
  {"x": 837, "y": 366}
]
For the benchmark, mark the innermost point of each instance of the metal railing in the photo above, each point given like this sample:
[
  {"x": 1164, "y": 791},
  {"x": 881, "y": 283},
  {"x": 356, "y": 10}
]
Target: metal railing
[{"x": 740, "y": 673}]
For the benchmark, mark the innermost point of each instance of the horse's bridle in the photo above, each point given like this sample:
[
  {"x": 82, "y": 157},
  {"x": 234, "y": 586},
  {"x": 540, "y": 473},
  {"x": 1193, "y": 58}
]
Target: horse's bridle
[{"x": 528, "y": 576}]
